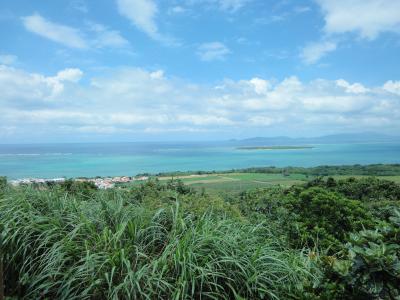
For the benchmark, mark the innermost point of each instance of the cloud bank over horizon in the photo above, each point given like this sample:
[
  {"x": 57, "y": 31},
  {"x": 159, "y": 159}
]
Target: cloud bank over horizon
[
  {"x": 197, "y": 69},
  {"x": 133, "y": 101}
]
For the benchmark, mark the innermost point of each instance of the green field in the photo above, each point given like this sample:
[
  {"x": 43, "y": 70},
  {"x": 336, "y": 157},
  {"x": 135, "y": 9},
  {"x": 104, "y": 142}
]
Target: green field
[
  {"x": 237, "y": 182},
  {"x": 250, "y": 178}
]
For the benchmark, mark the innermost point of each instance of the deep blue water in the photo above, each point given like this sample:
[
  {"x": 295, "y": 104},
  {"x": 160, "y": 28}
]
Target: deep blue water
[{"x": 72, "y": 160}]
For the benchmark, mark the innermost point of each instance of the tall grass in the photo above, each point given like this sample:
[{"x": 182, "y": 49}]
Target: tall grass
[{"x": 60, "y": 246}]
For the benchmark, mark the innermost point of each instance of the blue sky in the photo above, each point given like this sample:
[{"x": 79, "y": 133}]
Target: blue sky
[{"x": 115, "y": 70}]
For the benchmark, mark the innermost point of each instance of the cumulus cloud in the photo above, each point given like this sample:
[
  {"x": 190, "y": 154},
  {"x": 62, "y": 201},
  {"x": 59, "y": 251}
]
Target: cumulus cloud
[
  {"x": 313, "y": 52},
  {"x": 20, "y": 87},
  {"x": 261, "y": 86},
  {"x": 96, "y": 35},
  {"x": 71, "y": 74},
  {"x": 355, "y": 88},
  {"x": 367, "y": 18},
  {"x": 212, "y": 51},
  {"x": 392, "y": 87},
  {"x": 133, "y": 100}
]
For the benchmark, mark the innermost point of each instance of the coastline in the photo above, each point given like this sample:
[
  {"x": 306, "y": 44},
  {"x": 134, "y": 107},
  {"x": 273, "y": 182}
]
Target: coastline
[
  {"x": 105, "y": 182},
  {"x": 99, "y": 182}
]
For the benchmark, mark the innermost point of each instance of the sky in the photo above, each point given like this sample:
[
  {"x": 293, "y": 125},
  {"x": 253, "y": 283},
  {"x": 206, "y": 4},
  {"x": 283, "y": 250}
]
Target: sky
[{"x": 155, "y": 70}]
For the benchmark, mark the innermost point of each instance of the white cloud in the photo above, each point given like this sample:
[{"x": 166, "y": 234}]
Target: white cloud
[
  {"x": 159, "y": 74},
  {"x": 313, "y": 52},
  {"x": 73, "y": 75},
  {"x": 19, "y": 86},
  {"x": 62, "y": 34},
  {"x": 7, "y": 59},
  {"x": 367, "y": 18},
  {"x": 202, "y": 119},
  {"x": 141, "y": 13},
  {"x": 96, "y": 35},
  {"x": 105, "y": 37},
  {"x": 57, "y": 82},
  {"x": 212, "y": 51},
  {"x": 264, "y": 120},
  {"x": 392, "y": 87},
  {"x": 334, "y": 103},
  {"x": 177, "y": 10},
  {"x": 226, "y": 5},
  {"x": 261, "y": 86},
  {"x": 132, "y": 100},
  {"x": 355, "y": 88}
]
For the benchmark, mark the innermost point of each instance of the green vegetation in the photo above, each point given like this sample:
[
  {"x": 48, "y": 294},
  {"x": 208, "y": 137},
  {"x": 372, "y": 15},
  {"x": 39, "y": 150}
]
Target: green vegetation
[
  {"x": 166, "y": 239},
  {"x": 348, "y": 170},
  {"x": 237, "y": 182},
  {"x": 274, "y": 147},
  {"x": 3, "y": 184}
]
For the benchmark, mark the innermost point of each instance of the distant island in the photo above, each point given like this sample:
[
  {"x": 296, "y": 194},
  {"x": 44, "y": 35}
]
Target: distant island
[
  {"x": 359, "y": 137},
  {"x": 274, "y": 147}
]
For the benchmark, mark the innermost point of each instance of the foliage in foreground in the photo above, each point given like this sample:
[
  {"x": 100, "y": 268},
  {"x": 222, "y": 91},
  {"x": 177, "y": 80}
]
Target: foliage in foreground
[
  {"x": 326, "y": 239},
  {"x": 372, "y": 263},
  {"x": 111, "y": 246}
]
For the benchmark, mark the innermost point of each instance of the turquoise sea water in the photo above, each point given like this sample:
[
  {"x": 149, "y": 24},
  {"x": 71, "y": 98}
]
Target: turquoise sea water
[{"x": 73, "y": 160}]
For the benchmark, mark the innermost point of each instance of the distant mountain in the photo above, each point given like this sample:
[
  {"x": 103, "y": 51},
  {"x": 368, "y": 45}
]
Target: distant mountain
[{"x": 364, "y": 137}]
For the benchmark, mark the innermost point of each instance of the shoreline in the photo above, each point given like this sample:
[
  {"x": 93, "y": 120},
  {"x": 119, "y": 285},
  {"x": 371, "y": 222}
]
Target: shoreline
[
  {"x": 99, "y": 182},
  {"x": 105, "y": 182}
]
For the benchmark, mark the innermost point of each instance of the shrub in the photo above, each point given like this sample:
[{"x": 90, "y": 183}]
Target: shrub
[
  {"x": 363, "y": 189},
  {"x": 371, "y": 269},
  {"x": 368, "y": 189},
  {"x": 78, "y": 188},
  {"x": 324, "y": 218}
]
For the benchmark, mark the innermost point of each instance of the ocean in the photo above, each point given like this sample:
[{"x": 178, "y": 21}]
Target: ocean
[{"x": 113, "y": 159}]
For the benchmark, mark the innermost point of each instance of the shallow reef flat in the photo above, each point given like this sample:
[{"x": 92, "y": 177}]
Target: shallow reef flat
[{"x": 274, "y": 147}]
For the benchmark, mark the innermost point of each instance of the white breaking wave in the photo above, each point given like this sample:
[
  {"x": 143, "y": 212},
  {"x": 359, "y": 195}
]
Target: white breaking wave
[{"x": 34, "y": 154}]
